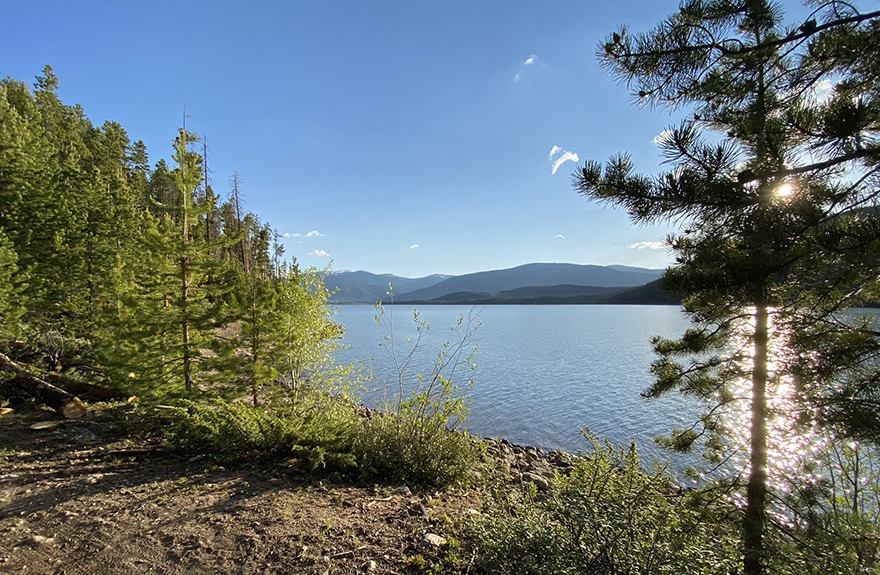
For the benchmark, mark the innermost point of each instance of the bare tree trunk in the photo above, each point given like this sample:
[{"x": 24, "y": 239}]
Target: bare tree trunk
[
  {"x": 185, "y": 199},
  {"x": 237, "y": 208},
  {"x": 756, "y": 491}
]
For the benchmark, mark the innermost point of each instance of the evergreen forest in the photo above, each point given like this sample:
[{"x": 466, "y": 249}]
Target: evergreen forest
[{"x": 136, "y": 276}]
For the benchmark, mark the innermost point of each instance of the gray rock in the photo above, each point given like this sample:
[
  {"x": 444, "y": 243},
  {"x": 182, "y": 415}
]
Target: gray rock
[
  {"x": 403, "y": 491},
  {"x": 541, "y": 483},
  {"x": 433, "y": 540},
  {"x": 39, "y": 540},
  {"x": 541, "y": 468}
]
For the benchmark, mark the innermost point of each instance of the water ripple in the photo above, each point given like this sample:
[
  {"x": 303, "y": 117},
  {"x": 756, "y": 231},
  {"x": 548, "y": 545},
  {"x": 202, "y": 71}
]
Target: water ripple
[{"x": 544, "y": 371}]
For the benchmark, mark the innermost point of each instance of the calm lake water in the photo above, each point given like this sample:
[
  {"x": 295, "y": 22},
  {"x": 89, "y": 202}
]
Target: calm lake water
[{"x": 543, "y": 372}]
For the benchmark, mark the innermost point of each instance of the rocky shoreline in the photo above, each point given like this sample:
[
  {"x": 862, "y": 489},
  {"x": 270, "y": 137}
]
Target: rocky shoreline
[
  {"x": 527, "y": 464},
  {"x": 522, "y": 464}
]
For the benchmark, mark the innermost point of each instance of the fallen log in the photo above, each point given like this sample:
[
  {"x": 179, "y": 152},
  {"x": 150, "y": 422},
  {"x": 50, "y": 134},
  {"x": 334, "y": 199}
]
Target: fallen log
[
  {"x": 83, "y": 388},
  {"x": 76, "y": 386},
  {"x": 64, "y": 403}
]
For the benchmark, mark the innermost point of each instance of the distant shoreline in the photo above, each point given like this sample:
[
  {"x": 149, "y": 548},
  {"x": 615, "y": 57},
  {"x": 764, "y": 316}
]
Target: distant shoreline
[{"x": 505, "y": 302}]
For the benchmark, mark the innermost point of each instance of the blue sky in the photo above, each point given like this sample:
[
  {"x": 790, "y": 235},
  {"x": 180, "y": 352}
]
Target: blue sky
[{"x": 400, "y": 137}]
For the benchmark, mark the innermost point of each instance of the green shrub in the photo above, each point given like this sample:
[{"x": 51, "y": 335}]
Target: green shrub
[
  {"x": 415, "y": 451},
  {"x": 607, "y": 516},
  {"x": 319, "y": 433},
  {"x": 417, "y": 441},
  {"x": 827, "y": 519}
]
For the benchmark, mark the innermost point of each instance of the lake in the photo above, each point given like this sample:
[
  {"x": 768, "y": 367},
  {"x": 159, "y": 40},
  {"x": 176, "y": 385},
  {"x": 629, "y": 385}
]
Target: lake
[{"x": 543, "y": 372}]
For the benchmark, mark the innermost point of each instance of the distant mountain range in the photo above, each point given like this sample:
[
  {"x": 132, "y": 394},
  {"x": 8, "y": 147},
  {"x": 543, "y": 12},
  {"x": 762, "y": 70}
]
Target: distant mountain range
[{"x": 540, "y": 283}]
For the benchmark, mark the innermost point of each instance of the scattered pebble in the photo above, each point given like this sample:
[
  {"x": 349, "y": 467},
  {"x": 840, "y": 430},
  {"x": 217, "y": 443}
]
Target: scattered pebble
[
  {"x": 45, "y": 425},
  {"x": 39, "y": 540},
  {"x": 403, "y": 491},
  {"x": 433, "y": 540}
]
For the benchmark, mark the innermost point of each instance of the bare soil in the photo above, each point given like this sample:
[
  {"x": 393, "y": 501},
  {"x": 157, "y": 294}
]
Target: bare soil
[{"x": 98, "y": 496}]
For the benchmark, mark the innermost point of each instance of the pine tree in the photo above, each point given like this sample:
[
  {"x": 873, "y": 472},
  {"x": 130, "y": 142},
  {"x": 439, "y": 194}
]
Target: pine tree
[
  {"x": 175, "y": 303},
  {"x": 764, "y": 211},
  {"x": 138, "y": 264},
  {"x": 259, "y": 311},
  {"x": 23, "y": 158},
  {"x": 26, "y": 186},
  {"x": 11, "y": 309},
  {"x": 67, "y": 205}
]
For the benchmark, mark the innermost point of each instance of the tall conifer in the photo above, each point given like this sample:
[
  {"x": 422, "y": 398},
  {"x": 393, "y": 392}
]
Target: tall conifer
[{"x": 755, "y": 208}]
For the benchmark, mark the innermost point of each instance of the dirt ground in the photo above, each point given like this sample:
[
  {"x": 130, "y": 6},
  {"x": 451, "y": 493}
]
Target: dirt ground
[{"x": 82, "y": 497}]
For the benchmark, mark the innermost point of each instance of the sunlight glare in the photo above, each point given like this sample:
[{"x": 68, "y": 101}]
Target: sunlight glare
[
  {"x": 784, "y": 191},
  {"x": 789, "y": 442}
]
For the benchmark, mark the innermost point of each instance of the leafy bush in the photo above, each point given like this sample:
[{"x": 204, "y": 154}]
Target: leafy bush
[
  {"x": 416, "y": 440},
  {"x": 608, "y": 516},
  {"x": 414, "y": 450},
  {"x": 318, "y": 432},
  {"x": 827, "y": 519}
]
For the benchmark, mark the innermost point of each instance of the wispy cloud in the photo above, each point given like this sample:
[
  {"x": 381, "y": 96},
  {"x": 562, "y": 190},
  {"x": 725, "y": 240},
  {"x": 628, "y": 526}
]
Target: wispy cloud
[
  {"x": 559, "y": 156},
  {"x": 822, "y": 91},
  {"x": 319, "y": 253},
  {"x": 311, "y": 234},
  {"x": 649, "y": 246},
  {"x": 523, "y": 67},
  {"x": 564, "y": 158},
  {"x": 662, "y": 137},
  {"x": 415, "y": 247},
  {"x": 560, "y": 236}
]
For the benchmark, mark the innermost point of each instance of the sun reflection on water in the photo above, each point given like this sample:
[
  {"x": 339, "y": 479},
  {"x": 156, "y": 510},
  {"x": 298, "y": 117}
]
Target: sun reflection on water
[
  {"x": 792, "y": 436},
  {"x": 800, "y": 454}
]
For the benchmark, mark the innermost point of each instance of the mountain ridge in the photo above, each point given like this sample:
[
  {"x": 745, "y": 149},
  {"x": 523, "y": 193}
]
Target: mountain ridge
[
  {"x": 366, "y": 287},
  {"x": 527, "y": 283}
]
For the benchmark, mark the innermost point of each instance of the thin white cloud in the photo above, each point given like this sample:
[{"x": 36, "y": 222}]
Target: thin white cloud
[
  {"x": 559, "y": 156},
  {"x": 523, "y": 66},
  {"x": 290, "y": 235},
  {"x": 319, "y": 253},
  {"x": 314, "y": 234},
  {"x": 662, "y": 137},
  {"x": 567, "y": 156},
  {"x": 649, "y": 246},
  {"x": 560, "y": 236},
  {"x": 415, "y": 247}
]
